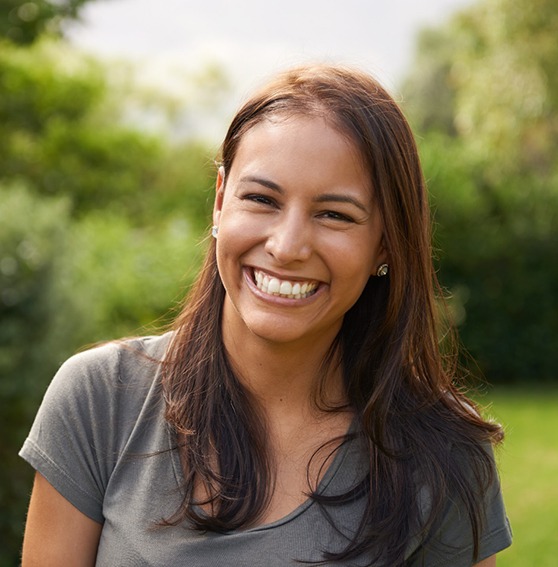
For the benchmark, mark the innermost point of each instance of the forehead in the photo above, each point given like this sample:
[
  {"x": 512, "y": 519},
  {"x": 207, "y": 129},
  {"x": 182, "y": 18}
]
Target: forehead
[
  {"x": 318, "y": 134},
  {"x": 301, "y": 152}
]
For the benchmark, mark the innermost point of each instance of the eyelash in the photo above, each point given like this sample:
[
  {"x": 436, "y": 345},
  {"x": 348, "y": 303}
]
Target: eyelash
[
  {"x": 334, "y": 215},
  {"x": 260, "y": 199},
  {"x": 267, "y": 201}
]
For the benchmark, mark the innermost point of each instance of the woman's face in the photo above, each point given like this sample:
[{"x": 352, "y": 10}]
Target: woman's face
[{"x": 299, "y": 232}]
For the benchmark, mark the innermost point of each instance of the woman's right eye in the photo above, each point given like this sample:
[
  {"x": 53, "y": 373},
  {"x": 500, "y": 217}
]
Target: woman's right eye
[{"x": 258, "y": 198}]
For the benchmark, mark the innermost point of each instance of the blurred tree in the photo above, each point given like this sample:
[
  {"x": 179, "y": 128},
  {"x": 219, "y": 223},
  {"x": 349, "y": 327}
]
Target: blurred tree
[
  {"x": 431, "y": 93},
  {"x": 489, "y": 78},
  {"x": 98, "y": 228},
  {"x": 32, "y": 233},
  {"x": 24, "y": 22},
  {"x": 60, "y": 132},
  {"x": 484, "y": 96},
  {"x": 65, "y": 283},
  {"x": 115, "y": 279}
]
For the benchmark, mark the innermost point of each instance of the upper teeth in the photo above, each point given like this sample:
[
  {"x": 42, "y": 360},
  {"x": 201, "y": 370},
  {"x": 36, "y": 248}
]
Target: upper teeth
[{"x": 284, "y": 288}]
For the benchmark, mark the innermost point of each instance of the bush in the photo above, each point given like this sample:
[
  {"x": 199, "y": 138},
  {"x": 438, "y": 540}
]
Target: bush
[
  {"x": 65, "y": 283},
  {"x": 32, "y": 234},
  {"x": 496, "y": 245}
]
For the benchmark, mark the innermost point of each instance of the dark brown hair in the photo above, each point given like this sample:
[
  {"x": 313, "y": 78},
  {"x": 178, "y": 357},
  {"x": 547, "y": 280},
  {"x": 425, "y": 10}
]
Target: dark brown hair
[{"x": 419, "y": 428}]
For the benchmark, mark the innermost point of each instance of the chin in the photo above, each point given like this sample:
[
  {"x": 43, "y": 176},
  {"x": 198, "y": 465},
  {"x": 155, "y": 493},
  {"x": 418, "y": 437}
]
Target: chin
[
  {"x": 278, "y": 334},
  {"x": 284, "y": 333}
]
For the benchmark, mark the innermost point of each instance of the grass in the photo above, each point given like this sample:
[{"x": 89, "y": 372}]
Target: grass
[{"x": 528, "y": 463}]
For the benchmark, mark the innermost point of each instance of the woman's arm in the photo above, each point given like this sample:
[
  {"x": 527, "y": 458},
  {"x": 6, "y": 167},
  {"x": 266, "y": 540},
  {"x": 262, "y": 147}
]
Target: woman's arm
[
  {"x": 57, "y": 533},
  {"x": 488, "y": 562}
]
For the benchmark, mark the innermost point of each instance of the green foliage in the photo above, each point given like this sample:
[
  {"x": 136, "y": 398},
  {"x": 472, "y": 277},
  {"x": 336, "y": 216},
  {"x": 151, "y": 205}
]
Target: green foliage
[
  {"x": 431, "y": 96},
  {"x": 23, "y": 22},
  {"x": 31, "y": 234},
  {"x": 495, "y": 244},
  {"x": 58, "y": 132},
  {"x": 65, "y": 283},
  {"x": 489, "y": 144},
  {"x": 99, "y": 224},
  {"x": 116, "y": 279}
]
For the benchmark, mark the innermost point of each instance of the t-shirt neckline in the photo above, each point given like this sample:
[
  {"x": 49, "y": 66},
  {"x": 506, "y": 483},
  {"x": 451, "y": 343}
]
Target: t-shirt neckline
[{"x": 330, "y": 474}]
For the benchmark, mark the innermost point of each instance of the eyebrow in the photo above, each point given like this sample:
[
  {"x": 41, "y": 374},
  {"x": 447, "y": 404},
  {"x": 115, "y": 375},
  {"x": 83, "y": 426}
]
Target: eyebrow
[
  {"x": 336, "y": 198},
  {"x": 325, "y": 198},
  {"x": 262, "y": 181}
]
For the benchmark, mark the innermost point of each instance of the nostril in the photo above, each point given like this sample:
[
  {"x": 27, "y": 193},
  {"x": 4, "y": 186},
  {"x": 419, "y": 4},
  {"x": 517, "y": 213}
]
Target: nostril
[{"x": 288, "y": 246}]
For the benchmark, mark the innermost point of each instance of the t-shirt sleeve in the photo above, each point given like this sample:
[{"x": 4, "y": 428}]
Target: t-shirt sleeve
[
  {"x": 452, "y": 542},
  {"x": 73, "y": 440}
]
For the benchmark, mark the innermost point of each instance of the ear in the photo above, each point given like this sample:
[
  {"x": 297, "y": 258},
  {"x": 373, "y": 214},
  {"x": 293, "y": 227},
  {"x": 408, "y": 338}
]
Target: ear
[
  {"x": 382, "y": 256},
  {"x": 219, "y": 195}
]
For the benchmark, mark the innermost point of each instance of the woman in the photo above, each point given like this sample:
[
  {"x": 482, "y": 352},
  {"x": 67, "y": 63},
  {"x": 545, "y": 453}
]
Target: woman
[{"x": 300, "y": 410}]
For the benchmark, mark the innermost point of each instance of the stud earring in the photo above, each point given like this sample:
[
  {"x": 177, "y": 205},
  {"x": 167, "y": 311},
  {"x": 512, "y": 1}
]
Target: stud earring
[
  {"x": 382, "y": 270},
  {"x": 214, "y": 231}
]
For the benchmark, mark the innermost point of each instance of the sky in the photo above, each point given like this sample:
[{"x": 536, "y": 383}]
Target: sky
[{"x": 252, "y": 39}]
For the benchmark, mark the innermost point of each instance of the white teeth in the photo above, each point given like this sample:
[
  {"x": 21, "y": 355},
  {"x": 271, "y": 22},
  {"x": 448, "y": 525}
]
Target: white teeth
[
  {"x": 274, "y": 286},
  {"x": 286, "y": 288},
  {"x": 283, "y": 288}
]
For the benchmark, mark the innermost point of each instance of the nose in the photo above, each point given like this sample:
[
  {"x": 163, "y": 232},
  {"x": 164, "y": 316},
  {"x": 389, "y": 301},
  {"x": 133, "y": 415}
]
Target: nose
[{"x": 289, "y": 239}]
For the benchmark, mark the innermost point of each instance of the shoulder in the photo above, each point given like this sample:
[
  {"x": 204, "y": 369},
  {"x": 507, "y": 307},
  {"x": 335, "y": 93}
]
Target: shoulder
[
  {"x": 476, "y": 493},
  {"x": 108, "y": 357},
  {"x": 101, "y": 391},
  {"x": 112, "y": 366},
  {"x": 96, "y": 400}
]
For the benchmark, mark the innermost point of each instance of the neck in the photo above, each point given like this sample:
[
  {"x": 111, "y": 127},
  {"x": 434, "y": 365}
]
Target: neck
[{"x": 284, "y": 377}]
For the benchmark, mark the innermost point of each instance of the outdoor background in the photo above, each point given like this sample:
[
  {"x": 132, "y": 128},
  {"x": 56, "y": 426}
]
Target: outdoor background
[{"x": 106, "y": 179}]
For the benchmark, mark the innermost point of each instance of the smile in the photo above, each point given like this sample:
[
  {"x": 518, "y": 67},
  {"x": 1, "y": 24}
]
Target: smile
[{"x": 283, "y": 288}]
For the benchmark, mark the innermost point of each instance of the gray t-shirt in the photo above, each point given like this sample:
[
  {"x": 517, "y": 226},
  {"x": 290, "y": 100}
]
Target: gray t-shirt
[{"x": 100, "y": 438}]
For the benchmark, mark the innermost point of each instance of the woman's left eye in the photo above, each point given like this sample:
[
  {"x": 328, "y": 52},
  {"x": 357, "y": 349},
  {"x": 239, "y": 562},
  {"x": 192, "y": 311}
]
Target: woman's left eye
[{"x": 335, "y": 215}]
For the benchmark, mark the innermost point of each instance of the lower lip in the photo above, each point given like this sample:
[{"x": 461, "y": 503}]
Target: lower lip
[{"x": 277, "y": 299}]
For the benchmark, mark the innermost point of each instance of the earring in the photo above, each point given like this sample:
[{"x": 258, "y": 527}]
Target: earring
[
  {"x": 214, "y": 230},
  {"x": 382, "y": 271}
]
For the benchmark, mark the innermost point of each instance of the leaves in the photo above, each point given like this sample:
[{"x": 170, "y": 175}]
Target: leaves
[
  {"x": 24, "y": 22},
  {"x": 99, "y": 231},
  {"x": 484, "y": 97}
]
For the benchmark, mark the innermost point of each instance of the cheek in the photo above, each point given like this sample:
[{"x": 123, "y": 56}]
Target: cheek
[
  {"x": 353, "y": 260},
  {"x": 234, "y": 242},
  {"x": 241, "y": 230}
]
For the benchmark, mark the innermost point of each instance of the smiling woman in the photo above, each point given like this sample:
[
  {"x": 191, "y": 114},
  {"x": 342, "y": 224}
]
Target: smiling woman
[
  {"x": 299, "y": 410},
  {"x": 295, "y": 207}
]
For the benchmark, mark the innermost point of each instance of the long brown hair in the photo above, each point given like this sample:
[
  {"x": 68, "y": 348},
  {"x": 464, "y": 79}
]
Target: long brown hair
[{"x": 419, "y": 427}]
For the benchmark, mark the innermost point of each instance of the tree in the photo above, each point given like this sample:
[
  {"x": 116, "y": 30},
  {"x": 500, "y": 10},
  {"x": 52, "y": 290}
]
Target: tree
[
  {"x": 484, "y": 97},
  {"x": 24, "y": 22},
  {"x": 99, "y": 230},
  {"x": 61, "y": 132},
  {"x": 31, "y": 235}
]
